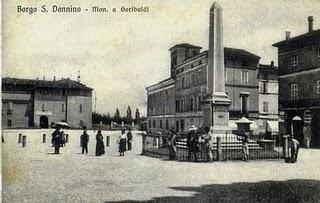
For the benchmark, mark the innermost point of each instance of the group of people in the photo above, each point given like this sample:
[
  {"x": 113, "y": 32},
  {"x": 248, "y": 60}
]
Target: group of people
[
  {"x": 192, "y": 144},
  {"x": 58, "y": 140},
  {"x": 125, "y": 141},
  {"x": 194, "y": 140},
  {"x": 84, "y": 140}
]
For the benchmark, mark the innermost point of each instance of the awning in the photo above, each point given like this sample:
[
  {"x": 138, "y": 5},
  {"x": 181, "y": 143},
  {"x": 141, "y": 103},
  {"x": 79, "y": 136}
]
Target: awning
[
  {"x": 254, "y": 126},
  {"x": 273, "y": 126}
]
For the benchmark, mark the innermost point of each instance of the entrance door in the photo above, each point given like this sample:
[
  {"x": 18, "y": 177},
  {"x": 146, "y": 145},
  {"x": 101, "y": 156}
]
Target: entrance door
[
  {"x": 44, "y": 122},
  {"x": 298, "y": 130},
  {"x": 315, "y": 130}
]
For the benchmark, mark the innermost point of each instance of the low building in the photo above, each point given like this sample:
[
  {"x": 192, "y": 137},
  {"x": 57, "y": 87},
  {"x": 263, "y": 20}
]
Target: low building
[
  {"x": 299, "y": 84},
  {"x": 40, "y": 103}
]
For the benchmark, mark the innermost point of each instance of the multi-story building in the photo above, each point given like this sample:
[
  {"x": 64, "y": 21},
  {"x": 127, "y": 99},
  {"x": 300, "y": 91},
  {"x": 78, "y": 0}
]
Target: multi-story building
[
  {"x": 40, "y": 103},
  {"x": 299, "y": 84},
  {"x": 188, "y": 87},
  {"x": 268, "y": 99}
]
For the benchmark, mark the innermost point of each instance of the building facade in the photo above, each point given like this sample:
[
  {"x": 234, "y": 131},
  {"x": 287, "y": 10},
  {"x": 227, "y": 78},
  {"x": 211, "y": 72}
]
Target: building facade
[
  {"x": 188, "y": 88},
  {"x": 268, "y": 99},
  {"x": 40, "y": 103},
  {"x": 299, "y": 84}
]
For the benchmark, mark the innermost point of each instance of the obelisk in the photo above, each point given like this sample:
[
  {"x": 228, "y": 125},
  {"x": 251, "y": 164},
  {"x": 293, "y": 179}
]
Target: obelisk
[{"x": 216, "y": 107}]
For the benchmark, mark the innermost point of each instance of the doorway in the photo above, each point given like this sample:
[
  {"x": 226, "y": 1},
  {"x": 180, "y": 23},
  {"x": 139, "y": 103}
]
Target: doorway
[{"x": 44, "y": 122}]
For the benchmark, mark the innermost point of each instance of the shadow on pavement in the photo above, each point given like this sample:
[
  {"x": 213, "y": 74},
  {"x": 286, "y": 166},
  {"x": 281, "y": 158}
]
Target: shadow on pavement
[{"x": 296, "y": 190}]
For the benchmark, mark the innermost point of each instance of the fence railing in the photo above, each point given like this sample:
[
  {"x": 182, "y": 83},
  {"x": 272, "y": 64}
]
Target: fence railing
[{"x": 227, "y": 147}]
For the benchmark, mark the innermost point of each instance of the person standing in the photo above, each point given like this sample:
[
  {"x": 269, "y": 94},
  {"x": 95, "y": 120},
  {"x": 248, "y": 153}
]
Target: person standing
[
  {"x": 245, "y": 146},
  {"x": 122, "y": 140},
  {"x": 84, "y": 140},
  {"x": 99, "y": 145},
  {"x": 208, "y": 137},
  {"x": 192, "y": 143},
  {"x": 173, "y": 148},
  {"x": 56, "y": 140},
  {"x": 294, "y": 147},
  {"x": 129, "y": 139}
]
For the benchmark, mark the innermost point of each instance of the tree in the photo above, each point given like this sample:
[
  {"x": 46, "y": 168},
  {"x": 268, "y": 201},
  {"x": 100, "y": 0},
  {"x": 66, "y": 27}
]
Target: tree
[
  {"x": 117, "y": 117},
  {"x": 137, "y": 117},
  {"x": 128, "y": 119}
]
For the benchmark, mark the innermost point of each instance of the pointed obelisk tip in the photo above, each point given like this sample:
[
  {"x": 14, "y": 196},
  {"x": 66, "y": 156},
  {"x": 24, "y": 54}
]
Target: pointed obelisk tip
[{"x": 215, "y": 5}]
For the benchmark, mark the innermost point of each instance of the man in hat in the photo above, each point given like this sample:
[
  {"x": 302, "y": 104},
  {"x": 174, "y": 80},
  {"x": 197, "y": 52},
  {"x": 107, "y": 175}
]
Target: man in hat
[
  {"x": 208, "y": 137},
  {"x": 84, "y": 140},
  {"x": 129, "y": 139},
  {"x": 56, "y": 140},
  {"x": 294, "y": 147},
  {"x": 192, "y": 143}
]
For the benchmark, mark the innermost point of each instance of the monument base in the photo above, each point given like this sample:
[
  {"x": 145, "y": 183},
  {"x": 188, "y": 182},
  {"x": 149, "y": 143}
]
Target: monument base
[{"x": 216, "y": 113}]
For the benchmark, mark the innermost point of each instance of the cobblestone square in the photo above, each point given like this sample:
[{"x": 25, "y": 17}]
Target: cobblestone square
[{"x": 34, "y": 174}]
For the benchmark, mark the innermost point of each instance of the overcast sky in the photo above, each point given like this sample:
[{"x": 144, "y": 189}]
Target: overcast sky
[{"x": 120, "y": 54}]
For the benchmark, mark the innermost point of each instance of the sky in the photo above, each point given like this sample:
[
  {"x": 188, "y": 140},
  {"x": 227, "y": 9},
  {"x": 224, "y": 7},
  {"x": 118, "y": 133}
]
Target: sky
[{"x": 120, "y": 54}]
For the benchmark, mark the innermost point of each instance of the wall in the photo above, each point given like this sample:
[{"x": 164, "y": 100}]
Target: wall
[{"x": 75, "y": 116}]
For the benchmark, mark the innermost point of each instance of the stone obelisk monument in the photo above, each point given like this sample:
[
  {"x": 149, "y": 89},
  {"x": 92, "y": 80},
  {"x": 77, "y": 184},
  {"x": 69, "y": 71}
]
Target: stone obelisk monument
[{"x": 216, "y": 107}]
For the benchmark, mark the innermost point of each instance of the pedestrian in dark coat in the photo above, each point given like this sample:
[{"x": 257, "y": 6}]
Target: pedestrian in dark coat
[
  {"x": 122, "y": 141},
  {"x": 56, "y": 140},
  {"x": 129, "y": 139},
  {"x": 294, "y": 147},
  {"x": 173, "y": 147},
  {"x": 99, "y": 145},
  {"x": 192, "y": 143},
  {"x": 84, "y": 140}
]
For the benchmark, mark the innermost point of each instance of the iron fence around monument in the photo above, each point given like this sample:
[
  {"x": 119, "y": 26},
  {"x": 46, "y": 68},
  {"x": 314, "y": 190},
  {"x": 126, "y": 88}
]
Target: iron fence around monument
[{"x": 231, "y": 148}]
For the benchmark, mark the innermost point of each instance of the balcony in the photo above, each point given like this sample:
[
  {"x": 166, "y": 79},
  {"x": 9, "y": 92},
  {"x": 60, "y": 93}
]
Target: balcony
[{"x": 302, "y": 103}]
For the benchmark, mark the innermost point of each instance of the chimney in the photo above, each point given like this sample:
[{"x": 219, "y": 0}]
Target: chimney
[
  {"x": 310, "y": 23},
  {"x": 288, "y": 35}
]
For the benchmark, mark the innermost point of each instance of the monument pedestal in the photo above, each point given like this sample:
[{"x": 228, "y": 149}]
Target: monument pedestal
[{"x": 216, "y": 113}]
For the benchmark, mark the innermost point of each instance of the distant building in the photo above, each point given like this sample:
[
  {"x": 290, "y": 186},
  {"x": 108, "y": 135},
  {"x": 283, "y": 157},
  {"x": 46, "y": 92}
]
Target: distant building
[
  {"x": 268, "y": 99},
  {"x": 176, "y": 101},
  {"x": 299, "y": 84},
  {"x": 39, "y": 103}
]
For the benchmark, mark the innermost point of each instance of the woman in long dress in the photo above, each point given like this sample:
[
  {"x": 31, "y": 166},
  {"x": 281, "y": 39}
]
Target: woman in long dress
[
  {"x": 99, "y": 145},
  {"x": 122, "y": 140}
]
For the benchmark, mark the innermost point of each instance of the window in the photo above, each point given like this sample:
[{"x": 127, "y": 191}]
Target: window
[
  {"x": 177, "y": 105},
  {"x": 9, "y": 123},
  {"x": 167, "y": 124},
  {"x": 263, "y": 87},
  {"x": 319, "y": 57},
  {"x": 178, "y": 83},
  {"x": 43, "y": 107},
  {"x": 182, "y": 124},
  {"x": 192, "y": 81},
  {"x": 265, "y": 107},
  {"x": 62, "y": 108},
  {"x": 318, "y": 87},
  {"x": 154, "y": 123},
  {"x": 182, "y": 105},
  {"x": 191, "y": 104},
  {"x": 160, "y": 123},
  {"x": 80, "y": 108},
  {"x": 244, "y": 77},
  {"x": 199, "y": 103},
  {"x": 294, "y": 91},
  {"x": 225, "y": 75},
  {"x": 294, "y": 61},
  {"x": 149, "y": 123},
  {"x": 182, "y": 83},
  {"x": 10, "y": 108}
]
